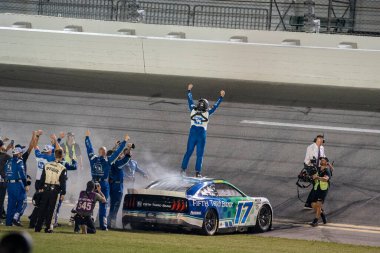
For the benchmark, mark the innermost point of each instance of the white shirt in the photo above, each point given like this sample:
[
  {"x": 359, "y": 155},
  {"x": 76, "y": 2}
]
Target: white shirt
[{"x": 312, "y": 152}]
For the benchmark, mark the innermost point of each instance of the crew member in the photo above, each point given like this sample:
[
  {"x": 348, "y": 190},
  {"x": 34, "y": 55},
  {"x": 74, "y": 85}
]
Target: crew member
[
  {"x": 4, "y": 157},
  {"x": 117, "y": 183},
  {"x": 16, "y": 186},
  {"x": 199, "y": 120},
  {"x": 53, "y": 182},
  {"x": 85, "y": 207},
  {"x": 100, "y": 168},
  {"x": 312, "y": 158},
  {"x": 321, "y": 186}
]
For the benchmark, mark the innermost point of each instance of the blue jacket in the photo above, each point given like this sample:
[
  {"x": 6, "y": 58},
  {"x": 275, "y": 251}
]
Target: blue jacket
[
  {"x": 130, "y": 170},
  {"x": 117, "y": 172},
  {"x": 15, "y": 170},
  {"x": 101, "y": 166}
]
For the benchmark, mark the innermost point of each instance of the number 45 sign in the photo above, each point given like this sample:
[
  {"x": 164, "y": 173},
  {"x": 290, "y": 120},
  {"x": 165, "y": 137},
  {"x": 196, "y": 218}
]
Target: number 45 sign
[{"x": 243, "y": 210}]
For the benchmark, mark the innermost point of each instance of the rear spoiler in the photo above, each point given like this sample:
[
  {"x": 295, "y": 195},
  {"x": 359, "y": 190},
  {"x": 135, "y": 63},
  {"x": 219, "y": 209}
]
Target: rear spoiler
[{"x": 157, "y": 192}]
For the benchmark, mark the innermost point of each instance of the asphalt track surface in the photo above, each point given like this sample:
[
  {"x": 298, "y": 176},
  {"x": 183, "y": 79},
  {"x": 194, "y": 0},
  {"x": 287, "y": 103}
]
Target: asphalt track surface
[{"x": 262, "y": 156}]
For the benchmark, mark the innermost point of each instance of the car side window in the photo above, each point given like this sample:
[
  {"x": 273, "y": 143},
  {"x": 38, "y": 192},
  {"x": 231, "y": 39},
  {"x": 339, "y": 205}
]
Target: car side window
[
  {"x": 226, "y": 190},
  {"x": 208, "y": 191}
]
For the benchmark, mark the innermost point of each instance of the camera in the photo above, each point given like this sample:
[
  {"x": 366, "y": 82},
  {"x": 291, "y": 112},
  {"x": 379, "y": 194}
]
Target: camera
[{"x": 306, "y": 174}]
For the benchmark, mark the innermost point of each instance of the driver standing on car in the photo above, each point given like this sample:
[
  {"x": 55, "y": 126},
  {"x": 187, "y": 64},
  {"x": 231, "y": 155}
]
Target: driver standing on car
[{"x": 199, "y": 115}]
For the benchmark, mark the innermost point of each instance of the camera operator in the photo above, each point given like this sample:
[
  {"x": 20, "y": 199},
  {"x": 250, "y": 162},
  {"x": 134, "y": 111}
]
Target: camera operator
[
  {"x": 85, "y": 206},
  {"x": 312, "y": 158},
  {"x": 321, "y": 186}
]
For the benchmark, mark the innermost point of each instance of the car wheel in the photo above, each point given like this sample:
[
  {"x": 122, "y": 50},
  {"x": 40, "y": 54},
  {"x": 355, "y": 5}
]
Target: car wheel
[
  {"x": 264, "y": 219},
  {"x": 210, "y": 222}
]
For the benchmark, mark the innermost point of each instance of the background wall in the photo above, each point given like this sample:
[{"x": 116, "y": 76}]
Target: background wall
[{"x": 317, "y": 61}]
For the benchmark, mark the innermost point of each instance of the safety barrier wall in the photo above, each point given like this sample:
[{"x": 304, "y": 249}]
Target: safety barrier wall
[{"x": 270, "y": 62}]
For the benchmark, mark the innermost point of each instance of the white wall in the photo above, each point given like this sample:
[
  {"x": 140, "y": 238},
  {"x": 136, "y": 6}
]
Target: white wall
[{"x": 190, "y": 57}]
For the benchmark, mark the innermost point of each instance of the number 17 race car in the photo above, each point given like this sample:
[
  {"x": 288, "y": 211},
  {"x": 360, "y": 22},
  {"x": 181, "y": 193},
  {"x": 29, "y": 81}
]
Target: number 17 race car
[{"x": 200, "y": 204}]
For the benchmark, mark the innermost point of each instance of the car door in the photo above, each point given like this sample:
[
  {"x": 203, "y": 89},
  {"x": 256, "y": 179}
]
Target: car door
[{"x": 236, "y": 209}]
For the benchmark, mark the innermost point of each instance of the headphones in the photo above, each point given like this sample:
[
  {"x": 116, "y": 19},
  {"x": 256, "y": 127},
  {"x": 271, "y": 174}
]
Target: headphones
[{"x": 319, "y": 136}]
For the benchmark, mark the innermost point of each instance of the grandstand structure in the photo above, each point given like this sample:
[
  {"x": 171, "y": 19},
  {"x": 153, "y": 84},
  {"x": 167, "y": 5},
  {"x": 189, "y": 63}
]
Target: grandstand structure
[{"x": 334, "y": 16}]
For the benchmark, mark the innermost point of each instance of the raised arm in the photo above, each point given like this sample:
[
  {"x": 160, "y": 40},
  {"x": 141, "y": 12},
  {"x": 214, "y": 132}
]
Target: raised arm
[
  {"x": 90, "y": 150},
  {"x": 112, "y": 158},
  {"x": 216, "y": 105},
  {"x": 190, "y": 97},
  {"x": 122, "y": 162}
]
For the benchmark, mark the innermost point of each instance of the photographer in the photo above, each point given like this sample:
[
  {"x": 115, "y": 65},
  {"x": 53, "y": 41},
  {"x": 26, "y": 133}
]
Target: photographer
[
  {"x": 312, "y": 158},
  {"x": 85, "y": 206},
  {"x": 321, "y": 186}
]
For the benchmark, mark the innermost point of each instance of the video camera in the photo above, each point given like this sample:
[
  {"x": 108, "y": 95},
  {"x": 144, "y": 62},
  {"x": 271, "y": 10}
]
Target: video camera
[{"x": 305, "y": 177}]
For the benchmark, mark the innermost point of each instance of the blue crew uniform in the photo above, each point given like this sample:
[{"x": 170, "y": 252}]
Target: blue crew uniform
[
  {"x": 116, "y": 187},
  {"x": 130, "y": 171},
  {"x": 198, "y": 132},
  {"x": 100, "y": 169},
  {"x": 16, "y": 182}
]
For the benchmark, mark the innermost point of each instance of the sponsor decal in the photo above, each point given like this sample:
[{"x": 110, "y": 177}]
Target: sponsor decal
[
  {"x": 213, "y": 203},
  {"x": 139, "y": 203},
  {"x": 195, "y": 213}
]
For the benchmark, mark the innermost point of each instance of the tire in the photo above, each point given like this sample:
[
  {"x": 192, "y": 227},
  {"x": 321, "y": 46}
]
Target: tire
[
  {"x": 210, "y": 222},
  {"x": 264, "y": 219}
]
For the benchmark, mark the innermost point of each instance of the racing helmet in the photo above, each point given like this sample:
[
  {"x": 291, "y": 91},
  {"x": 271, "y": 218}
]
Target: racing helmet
[{"x": 202, "y": 105}]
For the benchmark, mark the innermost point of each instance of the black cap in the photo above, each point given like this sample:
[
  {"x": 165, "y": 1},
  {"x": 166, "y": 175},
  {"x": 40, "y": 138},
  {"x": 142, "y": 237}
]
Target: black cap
[
  {"x": 90, "y": 186},
  {"x": 19, "y": 146}
]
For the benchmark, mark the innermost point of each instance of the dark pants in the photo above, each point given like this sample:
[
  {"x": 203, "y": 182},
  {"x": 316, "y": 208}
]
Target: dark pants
[
  {"x": 310, "y": 198},
  {"x": 46, "y": 210},
  {"x": 85, "y": 220},
  {"x": 3, "y": 191}
]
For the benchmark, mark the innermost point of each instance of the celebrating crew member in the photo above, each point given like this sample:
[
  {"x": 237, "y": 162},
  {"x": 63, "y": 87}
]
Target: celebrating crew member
[
  {"x": 71, "y": 148},
  {"x": 321, "y": 186},
  {"x": 312, "y": 158},
  {"x": 199, "y": 120},
  {"x": 16, "y": 186},
  {"x": 100, "y": 168},
  {"x": 53, "y": 182},
  {"x": 85, "y": 207}
]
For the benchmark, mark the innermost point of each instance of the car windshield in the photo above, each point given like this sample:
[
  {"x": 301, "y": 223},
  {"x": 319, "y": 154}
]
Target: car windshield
[{"x": 173, "y": 184}]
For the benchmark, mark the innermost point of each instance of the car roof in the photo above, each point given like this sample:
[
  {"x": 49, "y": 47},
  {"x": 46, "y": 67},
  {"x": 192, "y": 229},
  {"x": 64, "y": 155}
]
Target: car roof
[{"x": 179, "y": 183}]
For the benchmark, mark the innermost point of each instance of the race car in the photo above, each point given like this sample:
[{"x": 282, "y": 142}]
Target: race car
[{"x": 200, "y": 204}]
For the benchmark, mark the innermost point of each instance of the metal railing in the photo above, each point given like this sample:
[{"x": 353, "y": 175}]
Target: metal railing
[{"x": 335, "y": 16}]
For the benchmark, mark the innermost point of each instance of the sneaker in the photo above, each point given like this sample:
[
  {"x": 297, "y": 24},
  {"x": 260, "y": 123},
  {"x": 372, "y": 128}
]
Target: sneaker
[
  {"x": 314, "y": 223},
  {"x": 198, "y": 174},
  {"x": 183, "y": 173},
  {"x": 16, "y": 223},
  {"x": 307, "y": 206},
  {"x": 48, "y": 231},
  {"x": 323, "y": 216}
]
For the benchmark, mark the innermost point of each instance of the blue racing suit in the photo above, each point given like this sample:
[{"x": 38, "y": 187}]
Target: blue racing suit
[
  {"x": 100, "y": 169},
  {"x": 198, "y": 132},
  {"x": 16, "y": 182},
  {"x": 116, "y": 187}
]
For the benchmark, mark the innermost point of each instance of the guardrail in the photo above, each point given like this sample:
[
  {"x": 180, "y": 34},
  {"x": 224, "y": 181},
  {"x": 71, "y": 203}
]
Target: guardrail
[{"x": 336, "y": 16}]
